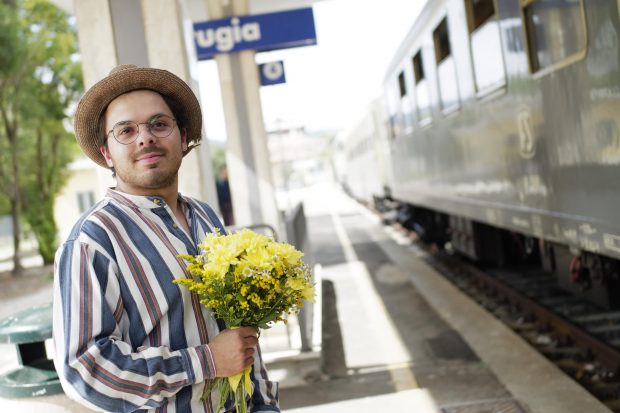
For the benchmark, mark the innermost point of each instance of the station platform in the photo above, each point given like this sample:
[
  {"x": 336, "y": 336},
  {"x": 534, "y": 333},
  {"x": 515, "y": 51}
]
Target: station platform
[
  {"x": 399, "y": 337},
  {"x": 395, "y": 336}
]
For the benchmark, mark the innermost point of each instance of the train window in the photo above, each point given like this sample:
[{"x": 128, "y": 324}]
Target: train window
[
  {"x": 478, "y": 13},
  {"x": 423, "y": 100},
  {"x": 442, "y": 41},
  {"x": 446, "y": 69},
  {"x": 486, "y": 46},
  {"x": 555, "y": 32},
  {"x": 402, "y": 87},
  {"x": 418, "y": 69},
  {"x": 405, "y": 104},
  {"x": 401, "y": 116}
]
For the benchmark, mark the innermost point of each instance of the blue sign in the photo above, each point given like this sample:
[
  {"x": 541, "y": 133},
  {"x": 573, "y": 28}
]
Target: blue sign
[
  {"x": 262, "y": 32},
  {"x": 271, "y": 73}
]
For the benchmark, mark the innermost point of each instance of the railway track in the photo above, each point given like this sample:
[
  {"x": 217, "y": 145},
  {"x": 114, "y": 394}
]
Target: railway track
[{"x": 580, "y": 338}]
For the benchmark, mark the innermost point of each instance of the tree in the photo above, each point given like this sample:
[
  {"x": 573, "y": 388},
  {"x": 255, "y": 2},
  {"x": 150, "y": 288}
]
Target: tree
[
  {"x": 12, "y": 53},
  {"x": 39, "y": 79}
]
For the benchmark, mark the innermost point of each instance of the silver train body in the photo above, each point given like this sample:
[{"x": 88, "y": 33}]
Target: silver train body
[{"x": 501, "y": 121}]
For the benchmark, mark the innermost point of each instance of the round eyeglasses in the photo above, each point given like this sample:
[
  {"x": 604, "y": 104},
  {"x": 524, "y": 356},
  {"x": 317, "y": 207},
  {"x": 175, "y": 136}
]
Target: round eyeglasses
[{"x": 127, "y": 131}]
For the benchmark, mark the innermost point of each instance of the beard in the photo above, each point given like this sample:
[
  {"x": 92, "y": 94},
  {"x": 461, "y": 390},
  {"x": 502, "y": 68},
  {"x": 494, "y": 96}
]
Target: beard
[
  {"x": 160, "y": 175},
  {"x": 151, "y": 179}
]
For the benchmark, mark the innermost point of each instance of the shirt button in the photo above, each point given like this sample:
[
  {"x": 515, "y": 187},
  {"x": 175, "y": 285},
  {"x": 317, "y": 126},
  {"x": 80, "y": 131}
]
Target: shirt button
[
  {"x": 157, "y": 201},
  {"x": 175, "y": 226}
]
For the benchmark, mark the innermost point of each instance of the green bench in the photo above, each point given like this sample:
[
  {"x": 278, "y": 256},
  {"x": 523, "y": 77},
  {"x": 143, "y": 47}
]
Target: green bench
[{"x": 35, "y": 375}]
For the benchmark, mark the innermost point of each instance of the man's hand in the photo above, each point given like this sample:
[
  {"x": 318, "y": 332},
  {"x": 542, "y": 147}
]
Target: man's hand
[{"x": 233, "y": 350}]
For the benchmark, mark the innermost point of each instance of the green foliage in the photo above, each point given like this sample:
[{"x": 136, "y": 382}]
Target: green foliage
[
  {"x": 40, "y": 78},
  {"x": 10, "y": 39}
]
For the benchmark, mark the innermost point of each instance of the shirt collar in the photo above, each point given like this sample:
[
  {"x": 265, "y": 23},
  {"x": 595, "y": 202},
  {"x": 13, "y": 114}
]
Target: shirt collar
[{"x": 140, "y": 201}]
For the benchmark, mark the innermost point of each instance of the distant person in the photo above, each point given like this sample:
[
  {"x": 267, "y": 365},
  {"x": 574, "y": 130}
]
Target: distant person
[
  {"x": 223, "y": 197},
  {"x": 126, "y": 338}
]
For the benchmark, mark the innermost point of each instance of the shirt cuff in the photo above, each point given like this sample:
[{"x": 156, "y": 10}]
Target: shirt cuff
[{"x": 201, "y": 361}]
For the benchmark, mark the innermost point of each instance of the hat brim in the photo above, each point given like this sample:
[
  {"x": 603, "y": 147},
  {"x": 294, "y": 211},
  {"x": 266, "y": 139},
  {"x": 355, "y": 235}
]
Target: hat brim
[{"x": 98, "y": 97}]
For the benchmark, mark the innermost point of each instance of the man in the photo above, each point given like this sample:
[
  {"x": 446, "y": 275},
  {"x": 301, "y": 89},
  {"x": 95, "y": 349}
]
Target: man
[{"x": 126, "y": 338}]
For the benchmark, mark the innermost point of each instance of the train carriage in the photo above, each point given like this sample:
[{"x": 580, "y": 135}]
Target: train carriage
[
  {"x": 503, "y": 133},
  {"x": 363, "y": 159}
]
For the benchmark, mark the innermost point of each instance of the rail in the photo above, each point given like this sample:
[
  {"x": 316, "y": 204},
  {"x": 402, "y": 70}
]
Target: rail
[{"x": 297, "y": 234}]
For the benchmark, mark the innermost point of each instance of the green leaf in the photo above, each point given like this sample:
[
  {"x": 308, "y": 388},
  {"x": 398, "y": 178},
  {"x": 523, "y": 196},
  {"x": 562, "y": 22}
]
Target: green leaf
[{"x": 264, "y": 326}]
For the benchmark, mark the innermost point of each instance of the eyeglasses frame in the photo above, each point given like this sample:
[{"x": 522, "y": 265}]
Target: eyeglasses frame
[{"x": 138, "y": 124}]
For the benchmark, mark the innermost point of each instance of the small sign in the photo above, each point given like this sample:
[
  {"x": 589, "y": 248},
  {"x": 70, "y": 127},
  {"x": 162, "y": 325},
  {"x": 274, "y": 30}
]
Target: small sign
[
  {"x": 261, "y": 32},
  {"x": 271, "y": 73}
]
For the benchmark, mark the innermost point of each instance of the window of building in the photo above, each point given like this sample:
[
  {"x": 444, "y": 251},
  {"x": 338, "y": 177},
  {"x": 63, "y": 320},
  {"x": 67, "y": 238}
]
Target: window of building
[
  {"x": 486, "y": 45},
  {"x": 422, "y": 98},
  {"x": 446, "y": 69},
  {"x": 85, "y": 200},
  {"x": 555, "y": 32}
]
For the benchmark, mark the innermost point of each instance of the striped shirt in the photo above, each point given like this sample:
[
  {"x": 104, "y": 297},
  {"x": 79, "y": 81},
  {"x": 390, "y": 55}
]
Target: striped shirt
[{"x": 126, "y": 338}]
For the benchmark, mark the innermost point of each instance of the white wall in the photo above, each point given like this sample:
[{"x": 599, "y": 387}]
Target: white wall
[{"x": 84, "y": 178}]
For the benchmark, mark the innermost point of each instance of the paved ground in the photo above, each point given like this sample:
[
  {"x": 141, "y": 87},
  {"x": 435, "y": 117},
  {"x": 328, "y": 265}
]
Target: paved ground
[
  {"x": 383, "y": 345},
  {"x": 395, "y": 336}
]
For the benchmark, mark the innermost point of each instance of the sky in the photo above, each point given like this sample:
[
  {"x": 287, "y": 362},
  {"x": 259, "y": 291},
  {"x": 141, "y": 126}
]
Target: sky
[{"x": 328, "y": 85}]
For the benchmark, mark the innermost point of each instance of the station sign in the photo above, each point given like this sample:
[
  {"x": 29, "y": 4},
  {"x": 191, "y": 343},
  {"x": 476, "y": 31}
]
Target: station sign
[
  {"x": 271, "y": 73},
  {"x": 261, "y": 32}
]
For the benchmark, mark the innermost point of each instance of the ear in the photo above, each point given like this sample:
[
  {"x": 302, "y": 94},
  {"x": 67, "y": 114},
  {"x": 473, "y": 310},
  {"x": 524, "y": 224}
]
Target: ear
[
  {"x": 184, "y": 139},
  {"x": 106, "y": 154}
]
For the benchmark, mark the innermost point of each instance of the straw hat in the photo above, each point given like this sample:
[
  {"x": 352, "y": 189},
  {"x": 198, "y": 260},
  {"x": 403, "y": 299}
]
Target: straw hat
[{"x": 123, "y": 79}]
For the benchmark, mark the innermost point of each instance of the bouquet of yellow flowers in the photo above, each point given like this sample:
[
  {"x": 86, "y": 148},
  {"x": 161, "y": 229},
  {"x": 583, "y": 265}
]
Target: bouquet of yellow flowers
[{"x": 247, "y": 279}]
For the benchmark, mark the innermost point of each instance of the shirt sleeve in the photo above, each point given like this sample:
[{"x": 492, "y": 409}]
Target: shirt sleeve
[
  {"x": 95, "y": 366},
  {"x": 265, "y": 397}
]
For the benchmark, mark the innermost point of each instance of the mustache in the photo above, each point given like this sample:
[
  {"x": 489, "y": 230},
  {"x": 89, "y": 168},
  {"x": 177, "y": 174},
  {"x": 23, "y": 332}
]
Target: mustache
[{"x": 150, "y": 149}]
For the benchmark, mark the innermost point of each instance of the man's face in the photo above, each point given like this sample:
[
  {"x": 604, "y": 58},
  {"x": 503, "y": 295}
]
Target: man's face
[{"x": 149, "y": 163}]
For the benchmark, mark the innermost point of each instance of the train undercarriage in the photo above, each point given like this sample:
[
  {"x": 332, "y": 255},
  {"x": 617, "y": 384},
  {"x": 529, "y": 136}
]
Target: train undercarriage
[{"x": 593, "y": 277}]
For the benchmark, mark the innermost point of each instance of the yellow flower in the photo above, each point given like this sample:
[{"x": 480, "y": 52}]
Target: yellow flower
[
  {"x": 286, "y": 252},
  {"x": 296, "y": 283},
  {"x": 303, "y": 286},
  {"x": 258, "y": 258},
  {"x": 307, "y": 293},
  {"x": 248, "y": 279}
]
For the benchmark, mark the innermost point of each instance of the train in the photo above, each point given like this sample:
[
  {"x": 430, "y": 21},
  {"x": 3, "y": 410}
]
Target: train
[{"x": 497, "y": 135}]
